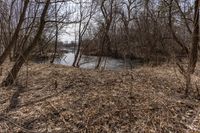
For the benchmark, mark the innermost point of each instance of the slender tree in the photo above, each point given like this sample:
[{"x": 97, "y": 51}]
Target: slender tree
[
  {"x": 193, "y": 57},
  {"x": 107, "y": 13}
]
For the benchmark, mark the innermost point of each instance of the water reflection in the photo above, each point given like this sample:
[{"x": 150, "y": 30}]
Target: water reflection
[{"x": 91, "y": 61}]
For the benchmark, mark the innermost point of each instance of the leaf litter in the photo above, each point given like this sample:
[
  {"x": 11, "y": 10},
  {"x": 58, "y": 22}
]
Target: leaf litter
[{"x": 56, "y": 98}]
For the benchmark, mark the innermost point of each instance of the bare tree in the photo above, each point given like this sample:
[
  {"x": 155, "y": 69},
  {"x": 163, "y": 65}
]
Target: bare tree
[
  {"x": 20, "y": 61},
  {"x": 83, "y": 27},
  {"x": 16, "y": 33},
  {"x": 194, "y": 47},
  {"x": 56, "y": 33},
  {"x": 126, "y": 17},
  {"x": 191, "y": 52},
  {"x": 107, "y": 10}
]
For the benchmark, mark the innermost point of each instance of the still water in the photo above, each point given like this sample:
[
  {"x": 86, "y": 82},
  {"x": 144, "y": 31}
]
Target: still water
[{"x": 91, "y": 61}]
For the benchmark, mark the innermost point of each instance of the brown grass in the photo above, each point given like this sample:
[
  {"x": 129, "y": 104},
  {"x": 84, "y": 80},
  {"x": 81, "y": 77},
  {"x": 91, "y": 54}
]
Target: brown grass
[{"x": 55, "y": 98}]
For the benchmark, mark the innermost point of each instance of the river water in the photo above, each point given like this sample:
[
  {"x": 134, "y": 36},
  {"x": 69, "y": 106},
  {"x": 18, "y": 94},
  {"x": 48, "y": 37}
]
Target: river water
[{"x": 90, "y": 62}]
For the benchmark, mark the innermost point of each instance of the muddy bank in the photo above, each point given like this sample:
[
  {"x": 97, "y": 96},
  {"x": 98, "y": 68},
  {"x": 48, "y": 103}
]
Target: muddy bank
[{"x": 56, "y": 98}]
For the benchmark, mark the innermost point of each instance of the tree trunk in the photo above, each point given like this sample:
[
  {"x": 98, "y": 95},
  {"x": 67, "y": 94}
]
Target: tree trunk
[
  {"x": 16, "y": 33},
  {"x": 56, "y": 43},
  {"x": 20, "y": 61},
  {"x": 100, "y": 53},
  {"x": 77, "y": 55},
  {"x": 194, "y": 48}
]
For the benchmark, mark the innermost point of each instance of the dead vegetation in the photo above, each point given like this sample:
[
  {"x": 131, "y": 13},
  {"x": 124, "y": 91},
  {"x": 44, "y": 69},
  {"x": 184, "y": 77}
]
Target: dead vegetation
[{"x": 56, "y": 98}]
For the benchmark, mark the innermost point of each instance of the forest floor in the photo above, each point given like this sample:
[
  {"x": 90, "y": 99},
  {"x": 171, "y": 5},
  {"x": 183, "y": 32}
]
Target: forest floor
[{"x": 60, "y": 99}]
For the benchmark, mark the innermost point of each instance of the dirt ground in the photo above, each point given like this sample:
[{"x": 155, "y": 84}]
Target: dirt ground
[{"x": 60, "y": 99}]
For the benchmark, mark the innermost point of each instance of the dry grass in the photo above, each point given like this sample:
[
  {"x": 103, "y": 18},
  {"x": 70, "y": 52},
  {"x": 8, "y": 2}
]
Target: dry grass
[{"x": 55, "y": 98}]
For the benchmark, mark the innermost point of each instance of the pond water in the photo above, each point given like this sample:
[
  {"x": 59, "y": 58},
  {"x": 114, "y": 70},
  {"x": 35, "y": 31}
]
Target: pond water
[{"x": 90, "y": 62}]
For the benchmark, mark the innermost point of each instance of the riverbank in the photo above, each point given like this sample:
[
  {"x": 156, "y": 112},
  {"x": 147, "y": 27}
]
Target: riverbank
[{"x": 56, "y": 98}]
